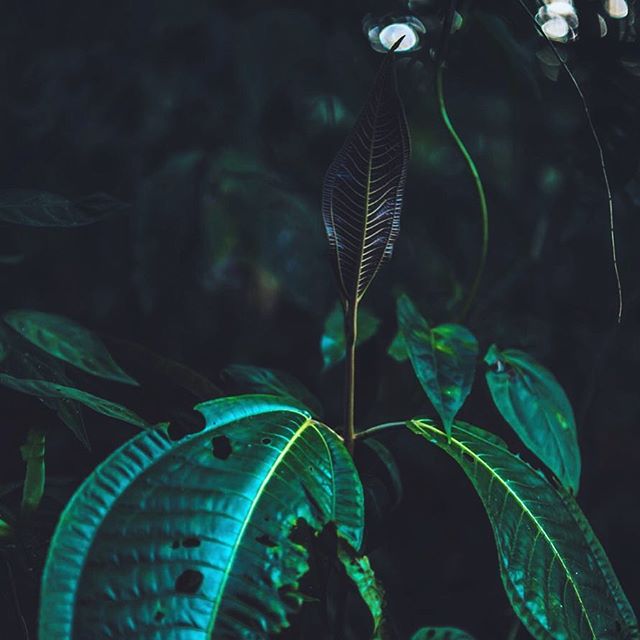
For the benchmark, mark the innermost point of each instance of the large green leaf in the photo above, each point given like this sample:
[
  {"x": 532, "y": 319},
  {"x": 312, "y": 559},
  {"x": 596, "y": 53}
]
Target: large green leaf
[
  {"x": 333, "y": 342},
  {"x": 554, "y": 570},
  {"x": 271, "y": 381},
  {"x": 195, "y": 538},
  {"x": 440, "y": 633},
  {"x": 443, "y": 358},
  {"x": 534, "y": 404},
  {"x": 45, "y": 389},
  {"x": 68, "y": 341}
]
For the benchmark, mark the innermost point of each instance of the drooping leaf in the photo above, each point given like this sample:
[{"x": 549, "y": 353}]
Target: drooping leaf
[
  {"x": 387, "y": 459},
  {"x": 271, "y": 381},
  {"x": 443, "y": 358},
  {"x": 363, "y": 188},
  {"x": 333, "y": 343},
  {"x": 555, "y": 572},
  {"x": 68, "y": 341},
  {"x": 441, "y": 633},
  {"x": 42, "y": 209},
  {"x": 44, "y": 389},
  {"x": 192, "y": 539},
  {"x": 534, "y": 404},
  {"x": 32, "y": 452},
  {"x": 398, "y": 348}
]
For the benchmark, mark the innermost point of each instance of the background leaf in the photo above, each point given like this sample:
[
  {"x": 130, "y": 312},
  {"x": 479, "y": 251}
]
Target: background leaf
[
  {"x": 333, "y": 345},
  {"x": 68, "y": 341},
  {"x": 440, "y": 633},
  {"x": 197, "y": 537},
  {"x": 534, "y": 404},
  {"x": 443, "y": 358},
  {"x": 398, "y": 348},
  {"x": 554, "y": 570}
]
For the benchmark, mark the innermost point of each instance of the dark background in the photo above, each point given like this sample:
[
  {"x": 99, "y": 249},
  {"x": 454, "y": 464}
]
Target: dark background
[{"x": 216, "y": 121}]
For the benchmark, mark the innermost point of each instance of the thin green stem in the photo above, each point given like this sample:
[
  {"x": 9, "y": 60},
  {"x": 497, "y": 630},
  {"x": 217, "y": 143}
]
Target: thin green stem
[
  {"x": 351, "y": 335},
  {"x": 33, "y": 455},
  {"x": 479, "y": 188},
  {"x": 379, "y": 427}
]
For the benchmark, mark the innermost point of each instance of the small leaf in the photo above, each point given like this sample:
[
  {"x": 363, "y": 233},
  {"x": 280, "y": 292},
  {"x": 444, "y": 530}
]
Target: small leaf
[
  {"x": 271, "y": 381},
  {"x": 68, "y": 341},
  {"x": 555, "y": 572},
  {"x": 33, "y": 454},
  {"x": 441, "y": 633},
  {"x": 443, "y": 358},
  {"x": 42, "y": 388},
  {"x": 398, "y": 348},
  {"x": 333, "y": 344},
  {"x": 6, "y": 530},
  {"x": 42, "y": 209},
  {"x": 534, "y": 404}
]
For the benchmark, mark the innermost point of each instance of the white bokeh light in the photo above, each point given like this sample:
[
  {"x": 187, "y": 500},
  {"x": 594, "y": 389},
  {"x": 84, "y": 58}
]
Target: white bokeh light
[
  {"x": 616, "y": 8},
  {"x": 564, "y": 9},
  {"x": 393, "y": 32},
  {"x": 557, "y": 28}
]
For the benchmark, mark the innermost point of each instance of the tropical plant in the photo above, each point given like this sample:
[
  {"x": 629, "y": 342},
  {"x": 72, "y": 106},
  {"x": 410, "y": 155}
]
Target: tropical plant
[{"x": 227, "y": 531}]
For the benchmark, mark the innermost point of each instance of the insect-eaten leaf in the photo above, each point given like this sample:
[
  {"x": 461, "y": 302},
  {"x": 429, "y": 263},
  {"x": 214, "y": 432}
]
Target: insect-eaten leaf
[
  {"x": 534, "y": 404},
  {"x": 555, "y": 572},
  {"x": 166, "y": 539},
  {"x": 44, "y": 389},
  {"x": 441, "y": 633},
  {"x": 363, "y": 188},
  {"x": 67, "y": 340},
  {"x": 43, "y": 209},
  {"x": 271, "y": 381},
  {"x": 333, "y": 343},
  {"x": 443, "y": 358}
]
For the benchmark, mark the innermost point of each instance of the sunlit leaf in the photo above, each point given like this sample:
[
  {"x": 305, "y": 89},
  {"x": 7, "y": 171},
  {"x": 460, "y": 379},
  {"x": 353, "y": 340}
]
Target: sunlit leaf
[
  {"x": 554, "y": 570},
  {"x": 44, "y": 389},
  {"x": 42, "y": 209},
  {"x": 534, "y": 404},
  {"x": 68, "y": 341},
  {"x": 440, "y": 633},
  {"x": 333, "y": 344},
  {"x": 196, "y": 538},
  {"x": 271, "y": 381},
  {"x": 398, "y": 348},
  {"x": 363, "y": 188},
  {"x": 443, "y": 358}
]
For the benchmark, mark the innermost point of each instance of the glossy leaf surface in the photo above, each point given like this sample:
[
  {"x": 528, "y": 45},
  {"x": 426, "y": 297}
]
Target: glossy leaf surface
[
  {"x": 441, "y": 633},
  {"x": 270, "y": 381},
  {"x": 192, "y": 539},
  {"x": 364, "y": 185},
  {"x": 44, "y": 389},
  {"x": 534, "y": 404},
  {"x": 42, "y": 209},
  {"x": 333, "y": 343},
  {"x": 68, "y": 341},
  {"x": 443, "y": 358},
  {"x": 554, "y": 570}
]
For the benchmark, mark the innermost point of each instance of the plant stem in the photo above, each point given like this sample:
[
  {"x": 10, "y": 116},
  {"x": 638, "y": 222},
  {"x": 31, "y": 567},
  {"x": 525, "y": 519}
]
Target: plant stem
[
  {"x": 33, "y": 454},
  {"x": 379, "y": 427},
  {"x": 351, "y": 335},
  {"x": 479, "y": 188}
]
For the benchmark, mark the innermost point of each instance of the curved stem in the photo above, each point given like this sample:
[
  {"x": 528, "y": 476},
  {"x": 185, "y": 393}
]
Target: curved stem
[
  {"x": 479, "y": 188},
  {"x": 351, "y": 335},
  {"x": 379, "y": 427}
]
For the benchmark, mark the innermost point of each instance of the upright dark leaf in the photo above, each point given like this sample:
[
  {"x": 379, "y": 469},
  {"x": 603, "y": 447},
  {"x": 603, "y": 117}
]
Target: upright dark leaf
[{"x": 363, "y": 188}]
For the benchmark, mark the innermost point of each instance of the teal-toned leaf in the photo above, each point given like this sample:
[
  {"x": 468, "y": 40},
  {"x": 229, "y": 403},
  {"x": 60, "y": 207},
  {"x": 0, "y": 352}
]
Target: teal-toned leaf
[
  {"x": 358, "y": 568},
  {"x": 387, "y": 459},
  {"x": 555, "y": 572},
  {"x": 443, "y": 358},
  {"x": 42, "y": 209},
  {"x": 398, "y": 348},
  {"x": 534, "y": 404},
  {"x": 333, "y": 344},
  {"x": 6, "y": 530},
  {"x": 44, "y": 389},
  {"x": 195, "y": 538},
  {"x": 271, "y": 381},
  {"x": 32, "y": 452},
  {"x": 68, "y": 341},
  {"x": 441, "y": 633}
]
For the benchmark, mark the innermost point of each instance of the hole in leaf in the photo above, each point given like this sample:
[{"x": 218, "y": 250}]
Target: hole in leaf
[
  {"x": 175, "y": 544},
  {"x": 189, "y": 581},
  {"x": 266, "y": 440},
  {"x": 159, "y": 615},
  {"x": 221, "y": 447},
  {"x": 191, "y": 542},
  {"x": 466, "y": 457},
  {"x": 266, "y": 540}
]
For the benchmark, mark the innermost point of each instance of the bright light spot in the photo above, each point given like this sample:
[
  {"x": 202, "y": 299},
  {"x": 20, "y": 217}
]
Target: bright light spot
[
  {"x": 557, "y": 28},
  {"x": 393, "y": 32},
  {"x": 603, "y": 26},
  {"x": 617, "y": 8},
  {"x": 564, "y": 9}
]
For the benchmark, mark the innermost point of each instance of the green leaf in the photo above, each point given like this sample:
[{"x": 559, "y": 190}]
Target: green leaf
[
  {"x": 271, "y": 381},
  {"x": 68, "y": 341},
  {"x": 554, "y": 570},
  {"x": 42, "y": 209},
  {"x": 333, "y": 344},
  {"x": 440, "y": 633},
  {"x": 398, "y": 348},
  {"x": 44, "y": 389},
  {"x": 443, "y": 358},
  {"x": 534, "y": 404},
  {"x": 6, "y": 530},
  {"x": 33, "y": 454},
  {"x": 195, "y": 538}
]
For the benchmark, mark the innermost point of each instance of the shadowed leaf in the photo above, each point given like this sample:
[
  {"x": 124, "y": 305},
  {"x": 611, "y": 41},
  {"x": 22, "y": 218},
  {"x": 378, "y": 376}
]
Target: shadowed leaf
[{"x": 441, "y": 633}]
